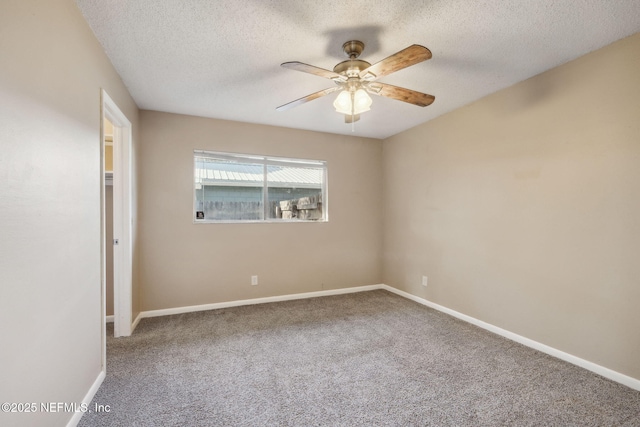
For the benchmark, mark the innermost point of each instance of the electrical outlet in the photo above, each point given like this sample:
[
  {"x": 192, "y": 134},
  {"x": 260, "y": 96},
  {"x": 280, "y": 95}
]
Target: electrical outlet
[
  {"x": 424, "y": 281},
  {"x": 254, "y": 280}
]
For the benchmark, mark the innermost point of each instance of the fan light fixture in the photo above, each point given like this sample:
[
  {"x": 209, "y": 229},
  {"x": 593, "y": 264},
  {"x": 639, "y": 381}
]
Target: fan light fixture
[{"x": 352, "y": 103}]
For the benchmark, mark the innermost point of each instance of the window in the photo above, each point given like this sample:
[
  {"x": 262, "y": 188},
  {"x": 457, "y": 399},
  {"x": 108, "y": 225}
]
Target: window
[{"x": 238, "y": 187}]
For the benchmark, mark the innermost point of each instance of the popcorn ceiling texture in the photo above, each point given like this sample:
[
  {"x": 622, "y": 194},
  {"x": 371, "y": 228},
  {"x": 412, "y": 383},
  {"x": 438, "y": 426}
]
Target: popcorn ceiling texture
[
  {"x": 222, "y": 58},
  {"x": 363, "y": 359}
]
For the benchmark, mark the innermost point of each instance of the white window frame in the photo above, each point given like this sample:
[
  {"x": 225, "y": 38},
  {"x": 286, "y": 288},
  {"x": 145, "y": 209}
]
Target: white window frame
[{"x": 265, "y": 161}]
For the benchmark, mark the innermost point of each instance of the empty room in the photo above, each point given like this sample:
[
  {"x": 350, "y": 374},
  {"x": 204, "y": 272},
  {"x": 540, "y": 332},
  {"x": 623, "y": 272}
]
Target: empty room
[{"x": 294, "y": 213}]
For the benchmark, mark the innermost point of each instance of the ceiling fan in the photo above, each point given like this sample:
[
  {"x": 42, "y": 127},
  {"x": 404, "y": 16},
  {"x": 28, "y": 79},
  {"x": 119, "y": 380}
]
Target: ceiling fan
[{"x": 355, "y": 78}]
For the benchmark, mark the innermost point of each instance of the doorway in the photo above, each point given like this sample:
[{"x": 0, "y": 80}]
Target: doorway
[
  {"x": 108, "y": 217},
  {"x": 117, "y": 145}
]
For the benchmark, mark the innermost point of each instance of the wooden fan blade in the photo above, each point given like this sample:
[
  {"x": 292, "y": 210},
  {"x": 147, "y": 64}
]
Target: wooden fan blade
[
  {"x": 401, "y": 94},
  {"x": 306, "y": 68},
  {"x": 308, "y": 98},
  {"x": 403, "y": 59}
]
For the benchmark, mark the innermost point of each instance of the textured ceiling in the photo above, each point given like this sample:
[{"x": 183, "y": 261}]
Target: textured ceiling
[{"x": 221, "y": 58}]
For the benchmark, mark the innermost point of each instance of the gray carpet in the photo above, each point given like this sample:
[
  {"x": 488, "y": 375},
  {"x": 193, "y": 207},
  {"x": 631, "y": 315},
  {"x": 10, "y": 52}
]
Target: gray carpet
[{"x": 365, "y": 359}]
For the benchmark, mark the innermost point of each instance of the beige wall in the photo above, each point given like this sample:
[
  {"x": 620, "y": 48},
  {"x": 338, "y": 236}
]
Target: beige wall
[
  {"x": 108, "y": 149},
  {"x": 523, "y": 208},
  {"x": 108, "y": 158},
  {"x": 50, "y": 80},
  {"x": 183, "y": 263}
]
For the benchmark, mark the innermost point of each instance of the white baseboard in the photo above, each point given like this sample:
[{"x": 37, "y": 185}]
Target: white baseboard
[
  {"x": 110, "y": 319},
  {"x": 135, "y": 322},
  {"x": 73, "y": 422},
  {"x": 290, "y": 297},
  {"x": 590, "y": 366}
]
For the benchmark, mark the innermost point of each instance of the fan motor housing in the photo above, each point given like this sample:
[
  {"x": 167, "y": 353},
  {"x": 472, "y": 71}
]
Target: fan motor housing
[{"x": 351, "y": 67}]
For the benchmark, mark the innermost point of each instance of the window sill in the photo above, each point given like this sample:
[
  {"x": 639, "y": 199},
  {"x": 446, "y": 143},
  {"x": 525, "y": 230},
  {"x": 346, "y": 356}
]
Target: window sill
[{"x": 269, "y": 221}]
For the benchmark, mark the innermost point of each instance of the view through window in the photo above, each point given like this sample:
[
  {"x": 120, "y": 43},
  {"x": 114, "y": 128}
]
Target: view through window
[{"x": 238, "y": 187}]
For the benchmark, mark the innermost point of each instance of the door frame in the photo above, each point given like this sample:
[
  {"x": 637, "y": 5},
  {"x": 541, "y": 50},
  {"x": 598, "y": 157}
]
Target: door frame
[{"x": 122, "y": 219}]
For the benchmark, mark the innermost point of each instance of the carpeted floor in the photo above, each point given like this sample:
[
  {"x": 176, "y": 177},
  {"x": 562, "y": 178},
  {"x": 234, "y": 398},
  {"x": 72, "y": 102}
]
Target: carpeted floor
[{"x": 363, "y": 359}]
